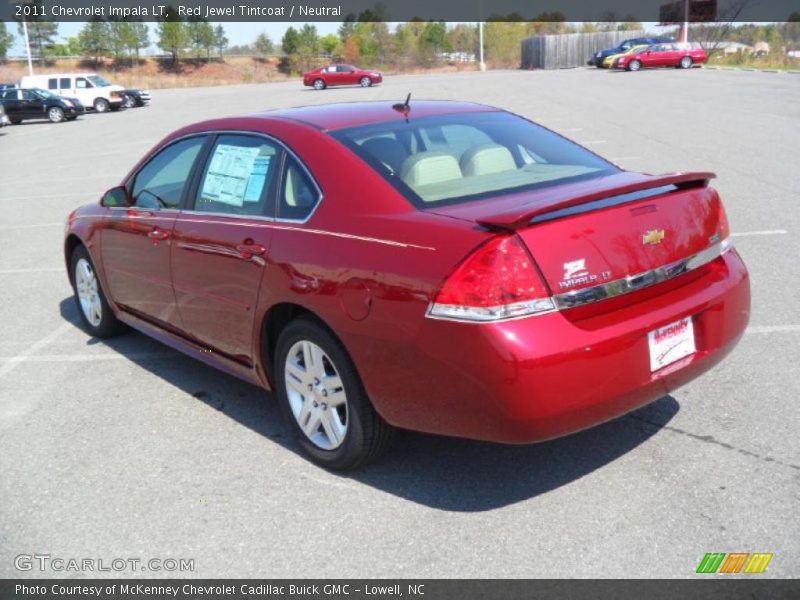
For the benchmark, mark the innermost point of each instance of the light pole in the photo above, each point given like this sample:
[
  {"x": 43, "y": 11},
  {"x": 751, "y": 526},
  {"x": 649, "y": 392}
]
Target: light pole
[
  {"x": 27, "y": 46},
  {"x": 481, "y": 65}
]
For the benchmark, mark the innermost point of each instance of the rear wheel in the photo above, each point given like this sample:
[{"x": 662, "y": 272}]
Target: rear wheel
[
  {"x": 366, "y": 82},
  {"x": 55, "y": 114},
  {"x": 634, "y": 65},
  {"x": 101, "y": 105},
  {"x": 93, "y": 308},
  {"x": 319, "y": 84},
  {"x": 686, "y": 62},
  {"x": 323, "y": 399}
]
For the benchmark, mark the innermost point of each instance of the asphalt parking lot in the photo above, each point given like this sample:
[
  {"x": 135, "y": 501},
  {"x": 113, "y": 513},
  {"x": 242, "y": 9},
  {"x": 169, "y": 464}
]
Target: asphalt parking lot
[{"x": 128, "y": 449}]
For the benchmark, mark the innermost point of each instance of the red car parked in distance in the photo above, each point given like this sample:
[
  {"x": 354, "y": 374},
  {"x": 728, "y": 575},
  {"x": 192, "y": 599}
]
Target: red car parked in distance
[
  {"x": 684, "y": 56},
  {"x": 331, "y": 75},
  {"x": 473, "y": 274}
]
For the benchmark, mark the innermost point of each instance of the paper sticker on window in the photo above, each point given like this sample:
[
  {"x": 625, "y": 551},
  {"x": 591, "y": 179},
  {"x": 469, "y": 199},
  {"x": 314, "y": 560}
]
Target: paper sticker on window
[
  {"x": 258, "y": 177},
  {"x": 229, "y": 174}
]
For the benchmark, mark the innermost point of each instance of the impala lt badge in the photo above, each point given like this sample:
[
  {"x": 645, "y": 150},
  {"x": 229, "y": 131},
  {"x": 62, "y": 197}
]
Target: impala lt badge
[
  {"x": 575, "y": 273},
  {"x": 653, "y": 236}
]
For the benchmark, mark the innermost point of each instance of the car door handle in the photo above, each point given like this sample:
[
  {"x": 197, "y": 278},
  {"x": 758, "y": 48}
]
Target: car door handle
[
  {"x": 158, "y": 234},
  {"x": 249, "y": 249}
]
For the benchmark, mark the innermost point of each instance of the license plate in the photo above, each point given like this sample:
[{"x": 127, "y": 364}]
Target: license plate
[{"x": 670, "y": 343}]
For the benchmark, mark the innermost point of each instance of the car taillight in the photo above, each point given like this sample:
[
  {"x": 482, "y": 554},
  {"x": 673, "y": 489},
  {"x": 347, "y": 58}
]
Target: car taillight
[
  {"x": 723, "y": 228},
  {"x": 499, "y": 280}
]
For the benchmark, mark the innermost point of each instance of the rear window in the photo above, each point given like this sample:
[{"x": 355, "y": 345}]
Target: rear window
[{"x": 457, "y": 158}]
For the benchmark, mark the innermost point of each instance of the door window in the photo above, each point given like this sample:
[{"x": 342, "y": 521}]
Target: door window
[
  {"x": 51, "y": 84},
  {"x": 239, "y": 177},
  {"x": 65, "y": 83},
  {"x": 161, "y": 182},
  {"x": 299, "y": 195}
]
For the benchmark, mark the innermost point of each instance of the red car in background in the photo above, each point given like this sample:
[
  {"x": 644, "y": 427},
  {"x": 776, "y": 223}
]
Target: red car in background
[
  {"x": 323, "y": 77},
  {"x": 473, "y": 275},
  {"x": 684, "y": 56}
]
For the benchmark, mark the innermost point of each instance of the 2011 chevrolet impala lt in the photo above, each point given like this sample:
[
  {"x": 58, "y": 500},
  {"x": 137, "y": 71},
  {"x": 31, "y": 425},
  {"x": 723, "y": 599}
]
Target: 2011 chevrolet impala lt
[{"x": 438, "y": 266}]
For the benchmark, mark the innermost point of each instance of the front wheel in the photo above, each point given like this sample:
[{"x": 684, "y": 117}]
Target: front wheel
[
  {"x": 634, "y": 65},
  {"x": 129, "y": 101},
  {"x": 93, "y": 308},
  {"x": 319, "y": 84},
  {"x": 101, "y": 105},
  {"x": 366, "y": 82},
  {"x": 686, "y": 62},
  {"x": 323, "y": 399},
  {"x": 55, "y": 114}
]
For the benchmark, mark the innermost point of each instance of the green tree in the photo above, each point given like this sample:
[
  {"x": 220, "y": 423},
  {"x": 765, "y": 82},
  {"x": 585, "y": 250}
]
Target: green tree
[
  {"x": 348, "y": 27},
  {"x": 140, "y": 37},
  {"x": 201, "y": 36},
  {"x": 220, "y": 39},
  {"x": 374, "y": 41},
  {"x": 264, "y": 45},
  {"x": 172, "y": 35},
  {"x": 329, "y": 43},
  {"x": 434, "y": 39},
  {"x": 41, "y": 34},
  {"x": 94, "y": 39},
  {"x": 464, "y": 38},
  {"x": 290, "y": 41},
  {"x": 308, "y": 39},
  {"x": 120, "y": 36},
  {"x": 6, "y": 40}
]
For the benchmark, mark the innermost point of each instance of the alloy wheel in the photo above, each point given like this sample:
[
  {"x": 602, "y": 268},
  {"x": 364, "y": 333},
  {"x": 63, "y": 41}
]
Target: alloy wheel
[
  {"x": 686, "y": 62},
  {"x": 319, "y": 84},
  {"x": 55, "y": 114},
  {"x": 88, "y": 292},
  {"x": 316, "y": 395},
  {"x": 634, "y": 65},
  {"x": 365, "y": 82}
]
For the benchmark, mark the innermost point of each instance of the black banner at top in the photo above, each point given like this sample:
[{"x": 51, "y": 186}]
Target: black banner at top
[{"x": 403, "y": 10}]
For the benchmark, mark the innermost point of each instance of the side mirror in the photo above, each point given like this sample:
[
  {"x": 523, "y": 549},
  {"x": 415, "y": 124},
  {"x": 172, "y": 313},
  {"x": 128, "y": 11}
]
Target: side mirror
[{"x": 116, "y": 197}]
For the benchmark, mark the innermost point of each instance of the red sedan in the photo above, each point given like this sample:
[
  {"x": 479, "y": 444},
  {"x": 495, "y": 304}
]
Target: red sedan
[
  {"x": 323, "y": 77},
  {"x": 473, "y": 275},
  {"x": 684, "y": 56}
]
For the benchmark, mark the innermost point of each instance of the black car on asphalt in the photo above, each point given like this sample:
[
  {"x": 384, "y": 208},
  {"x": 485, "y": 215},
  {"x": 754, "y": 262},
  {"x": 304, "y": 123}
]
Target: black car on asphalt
[
  {"x": 22, "y": 104},
  {"x": 4, "y": 120},
  {"x": 597, "y": 58},
  {"x": 132, "y": 97}
]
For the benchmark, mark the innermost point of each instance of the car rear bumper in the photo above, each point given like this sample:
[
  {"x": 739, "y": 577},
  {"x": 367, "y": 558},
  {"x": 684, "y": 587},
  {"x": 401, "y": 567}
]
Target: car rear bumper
[{"x": 542, "y": 377}]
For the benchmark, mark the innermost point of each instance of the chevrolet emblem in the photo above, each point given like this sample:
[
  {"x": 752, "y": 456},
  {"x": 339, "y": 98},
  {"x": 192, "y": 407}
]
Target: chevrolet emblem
[{"x": 653, "y": 236}]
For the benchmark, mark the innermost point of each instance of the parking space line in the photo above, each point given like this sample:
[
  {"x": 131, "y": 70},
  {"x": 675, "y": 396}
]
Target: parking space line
[
  {"x": 67, "y": 358},
  {"x": 17, "y": 360},
  {"x": 773, "y": 329},
  {"x": 32, "y": 226},
  {"x": 22, "y": 271},
  {"x": 763, "y": 232}
]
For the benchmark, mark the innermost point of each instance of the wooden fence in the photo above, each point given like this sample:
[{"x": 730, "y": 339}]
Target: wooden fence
[{"x": 569, "y": 50}]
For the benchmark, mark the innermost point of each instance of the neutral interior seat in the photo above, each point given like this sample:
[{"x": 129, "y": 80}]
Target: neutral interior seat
[
  {"x": 387, "y": 150},
  {"x": 487, "y": 159},
  {"x": 426, "y": 168}
]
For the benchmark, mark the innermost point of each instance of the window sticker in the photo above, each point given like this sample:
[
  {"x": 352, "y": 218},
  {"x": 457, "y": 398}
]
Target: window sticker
[
  {"x": 229, "y": 173},
  {"x": 258, "y": 177}
]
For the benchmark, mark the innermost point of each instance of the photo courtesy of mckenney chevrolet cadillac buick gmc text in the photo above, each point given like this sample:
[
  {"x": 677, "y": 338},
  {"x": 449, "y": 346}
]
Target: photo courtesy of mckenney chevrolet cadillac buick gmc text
[{"x": 438, "y": 266}]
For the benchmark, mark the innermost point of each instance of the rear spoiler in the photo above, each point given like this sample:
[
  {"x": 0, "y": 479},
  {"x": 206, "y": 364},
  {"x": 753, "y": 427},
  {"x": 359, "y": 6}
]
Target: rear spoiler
[{"x": 566, "y": 197}]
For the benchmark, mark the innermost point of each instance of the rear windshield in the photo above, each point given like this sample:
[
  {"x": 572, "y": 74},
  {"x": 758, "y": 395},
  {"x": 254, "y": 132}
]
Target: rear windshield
[{"x": 457, "y": 158}]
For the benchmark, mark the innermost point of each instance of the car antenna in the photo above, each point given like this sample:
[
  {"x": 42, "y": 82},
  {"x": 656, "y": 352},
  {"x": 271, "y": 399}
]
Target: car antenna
[{"x": 404, "y": 107}]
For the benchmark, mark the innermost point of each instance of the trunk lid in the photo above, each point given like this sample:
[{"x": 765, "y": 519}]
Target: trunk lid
[{"x": 594, "y": 232}]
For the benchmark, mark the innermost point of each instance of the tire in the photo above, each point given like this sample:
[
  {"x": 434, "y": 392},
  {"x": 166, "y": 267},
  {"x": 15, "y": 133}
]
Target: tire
[
  {"x": 96, "y": 315},
  {"x": 16, "y": 121},
  {"x": 341, "y": 436},
  {"x": 129, "y": 102},
  {"x": 55, "y": 114},
  {"x": 72, "y": 118},
  {"x": 101, "y": 105},
  {"x": 319, "y": 84},
  {"x": 365, "y": 82},
  {"x": 686, "y": 62},
  {"x": 634, "y": 65}
]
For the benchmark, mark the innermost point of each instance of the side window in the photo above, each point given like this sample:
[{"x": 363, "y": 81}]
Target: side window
[
  {"x": 51, "y": 84},
  {"x": 239, "y": 177},
  {"x": 64, "y": 83},
  {"x": 160, "y": 183},
  {"x": 28, "y": 95},
  {"x": 298, "y": 195},
  {"x": 82, "y": 83}
]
